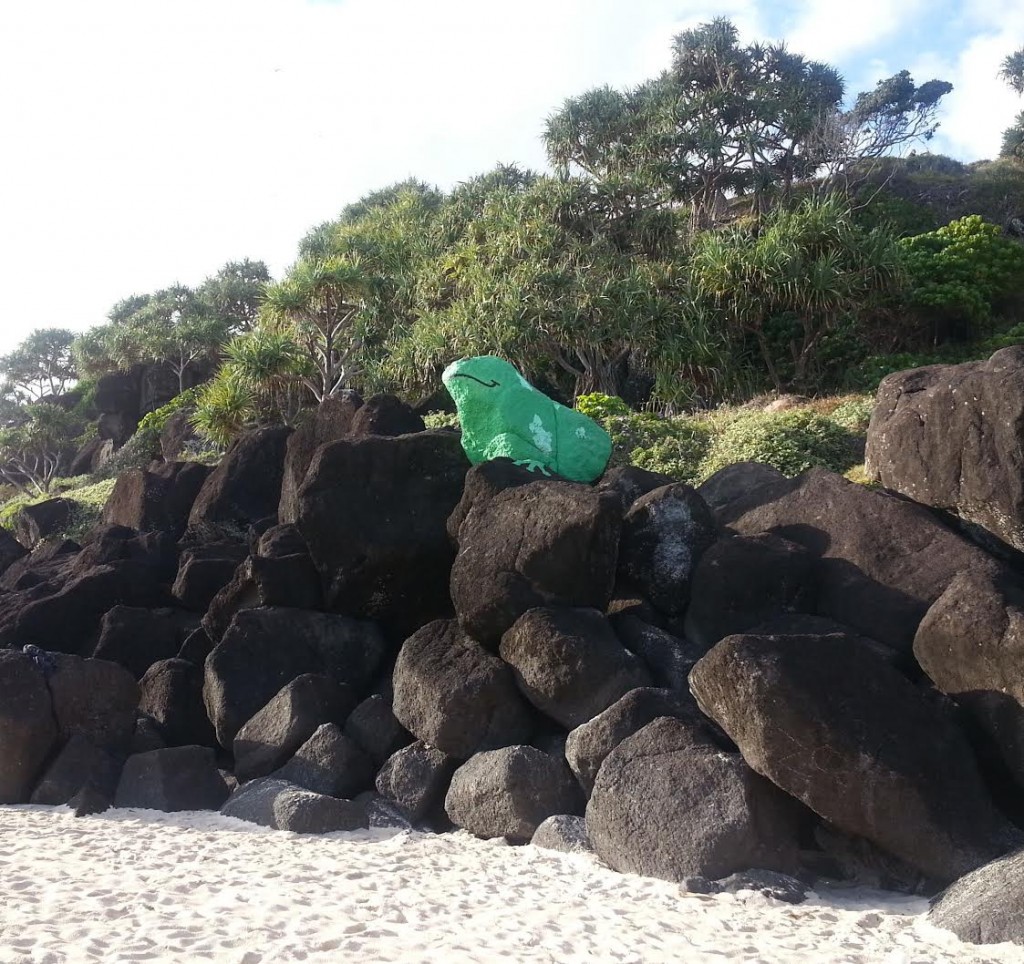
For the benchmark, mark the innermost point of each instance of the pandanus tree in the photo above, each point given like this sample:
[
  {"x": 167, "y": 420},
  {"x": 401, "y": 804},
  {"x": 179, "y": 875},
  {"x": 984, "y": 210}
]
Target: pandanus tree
[
  {"x": 317, "y": 305},
  {"x": 1012, "y": 71},
  {"x": 41, "y": 365}
]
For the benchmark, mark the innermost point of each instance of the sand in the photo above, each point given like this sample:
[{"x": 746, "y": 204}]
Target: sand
[{"x": 133, "y": 885}]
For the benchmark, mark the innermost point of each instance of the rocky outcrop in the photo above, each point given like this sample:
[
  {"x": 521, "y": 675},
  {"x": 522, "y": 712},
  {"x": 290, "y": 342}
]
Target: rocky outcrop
[
  {"x": 543, "y": 544},
  {"x": 451, "y": 693},
  {"x": 984, "y": 907},
  {"x": 373, "y": 513},
  {"x": 669, "y": 803},
  {"x": 952, "y": 436},
  {"x": 160, "y": 497},
  {"x": 840, "y": 729}
]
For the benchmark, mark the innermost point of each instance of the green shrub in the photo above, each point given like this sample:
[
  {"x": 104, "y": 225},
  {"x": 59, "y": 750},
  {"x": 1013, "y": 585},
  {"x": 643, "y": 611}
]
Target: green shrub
[
  {"x": 441, "y": 419},
  {"x": 673, "y": 446},
  {"x": 87, "y": 498},
  {"x": 790, "y": 441}
]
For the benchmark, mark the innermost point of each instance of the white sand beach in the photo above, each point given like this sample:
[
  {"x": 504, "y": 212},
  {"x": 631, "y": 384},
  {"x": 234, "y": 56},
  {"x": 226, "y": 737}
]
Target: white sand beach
[{"x": 131, "y": 885}]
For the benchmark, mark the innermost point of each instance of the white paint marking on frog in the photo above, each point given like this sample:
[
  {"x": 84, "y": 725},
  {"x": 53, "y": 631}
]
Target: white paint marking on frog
[
  {"x": 542, "y": 438},
  {"x": 581, "y": 432}
]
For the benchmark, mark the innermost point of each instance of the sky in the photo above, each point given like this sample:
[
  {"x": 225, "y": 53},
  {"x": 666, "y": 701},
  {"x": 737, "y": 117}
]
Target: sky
[{"x": 149, "y": 142}]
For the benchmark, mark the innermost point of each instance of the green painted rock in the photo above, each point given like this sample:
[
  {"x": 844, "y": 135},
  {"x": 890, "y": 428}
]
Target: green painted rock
[{"x": 504, "y": 416}]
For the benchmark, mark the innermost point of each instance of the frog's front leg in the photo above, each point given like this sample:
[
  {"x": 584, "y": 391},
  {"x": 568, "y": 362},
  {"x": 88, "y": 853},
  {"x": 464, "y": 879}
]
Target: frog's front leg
[
  {"x": 533, "y": 465},
  {"x": 508, "y": 445}
]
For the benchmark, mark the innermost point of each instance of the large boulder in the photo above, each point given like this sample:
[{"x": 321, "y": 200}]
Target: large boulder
[
  {"x": 95, "y": 699},
  {"x": 836, "y": 726},
  {"x": 79, "y": 764},
  {"x": 453, "y": 694},
  {"x": 28, "y": 731},
  {"x": 669, "y": 803},
  {"x": 971, "y": 645},
  {"x": 668, "y": 658},
  {"x": 284, "y": 806},
  {"x": 416, "y": 779},
  {"x": 136, "y": 638},
  {"x": 331, "y": 421},
  {"x": 952, "y": 436},
  {"x": 373, "y": 512},
  {"x": 510, "y": 792},
  {"x": 590, "y": 743},
  {"x": 274, "y": 733},
  {"x": 116, "y": 398},
  {"x": 544, "y": 544},
  {"x": 171, "y": 695},
  {"x": 985, "y": 906},
  {"x": 329, "y": 763},
  {"x": 385, "y": 415},
  {"x": 10, "y": 550},
  {"x": 664, "y": 534},
  {"x": 742, "y": 581},
  {"x": 159, "y": 497},
  {"x": 203, "y": 571},
  {"x": 41, "y": 519},
  {"x": 177, "y": 778},
  {"x": 373, "y": 727},
  {"x": 569, "y": 664},
  {"x": 483, "y": 483},
  {"x": 246, "y": 485},
  {"x": 266, "y": 648},
  {"x": 69, "y": 620},
  {"x": 52, "y": 561},
  {"x": 881, "y": 561},
  {"x": 741, "y": 480}
]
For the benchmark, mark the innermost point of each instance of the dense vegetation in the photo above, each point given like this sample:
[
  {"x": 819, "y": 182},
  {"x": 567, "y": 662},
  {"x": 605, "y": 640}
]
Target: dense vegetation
[{"x": 728, "y": 228}]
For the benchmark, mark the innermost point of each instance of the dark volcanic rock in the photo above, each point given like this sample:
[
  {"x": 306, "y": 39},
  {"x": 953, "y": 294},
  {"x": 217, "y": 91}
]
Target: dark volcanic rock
[
  {"x": 332, "y": 421},
  {"x": 266, "y": 648},
  {"x": 416, "y": 779},
  {"x": 283, "y": 806},
  {"x": 840, "y": 729},
  {"x": 668, "y": 658},
  {"x": 28, "y": 731},
  {"x": 159, "y": 497},
  {"x": 971, "y": 645},
  {"x": 668, "y": 803},
  {"x": 543, "y": 544},
  {"x": 563, "y": 832},
  {"x": 385, "y": 415},
  {"x": 664, "y": 534},
  {"x": 742, "y": 581},
  {"x": 329, "y": 763},
  {"x": 375, "y": 729},
  {"x": 10, "y": 550},
  {"x": 373, "y": 512},
  {"x": 172, "y": 696},
  {"x": 137, "y": 638},
  {"x": 51, "y": 561},
  {"x": 78, "y": 765},
  {"x": 951, "y": 436},
  {"x": 451, "y": 693},
  {"x": 94, "y": 699},
  {"x": 510, "y": 792},
  {"x": 274, "y": 733},
  {"x": 35, "y": 522},
  {"x": 239, "y": 594},
  {"x": 203, "y": 571},
  {"x": 69, "y": 619},
  {"x": 178, "y": 778},
  {"x": 175, "y": 435},
  {"x": 630, "y": 483},
  {"x": 985, "y": 906},
  {"x": 483, "y": 482},
  {"x": 741, "y": 480},
  {"x": 246, "y": 485},
  {"x": 589, "y": 744},
  {"x": 882, "y": 561},
  {"x": 569, "y": 664}
]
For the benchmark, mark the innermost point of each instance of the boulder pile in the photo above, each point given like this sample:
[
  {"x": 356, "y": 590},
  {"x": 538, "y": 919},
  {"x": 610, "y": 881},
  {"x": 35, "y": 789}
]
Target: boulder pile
[{"x": 346, "y": 625}]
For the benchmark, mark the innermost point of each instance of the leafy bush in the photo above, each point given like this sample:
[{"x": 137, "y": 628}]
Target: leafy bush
[
  {"x": 790, "y": 441},
  {"x": 960, "y": 273},
  {"x": 441, "y": 420},
  {"x": 87, "y": 498},
  {"x": 673, "y": 446}
]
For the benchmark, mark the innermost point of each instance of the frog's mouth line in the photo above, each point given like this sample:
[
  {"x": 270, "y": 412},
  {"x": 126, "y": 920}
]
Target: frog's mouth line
[{"x": 490, "y": 384}]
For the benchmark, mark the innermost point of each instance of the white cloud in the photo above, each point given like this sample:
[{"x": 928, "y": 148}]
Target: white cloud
[{"x": 827, "y": 31}]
